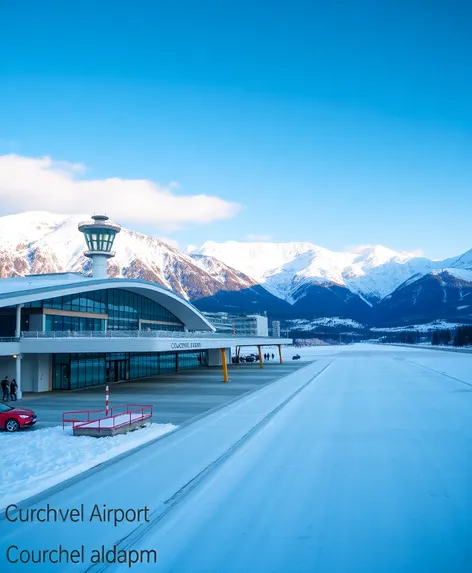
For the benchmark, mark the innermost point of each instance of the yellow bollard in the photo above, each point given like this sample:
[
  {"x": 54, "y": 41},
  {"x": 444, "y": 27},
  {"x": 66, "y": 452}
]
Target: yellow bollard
[
  {"x": 261, "y": 363},
  {"x": 225, "y": 366},
  {"x": 280, "y": 353}
]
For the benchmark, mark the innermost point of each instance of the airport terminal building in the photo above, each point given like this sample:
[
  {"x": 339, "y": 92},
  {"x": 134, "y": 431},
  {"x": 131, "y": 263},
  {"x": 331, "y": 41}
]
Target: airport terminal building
[{"x": 67, "y": 331}]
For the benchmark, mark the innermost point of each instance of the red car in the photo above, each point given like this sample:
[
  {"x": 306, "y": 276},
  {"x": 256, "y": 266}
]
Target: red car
[{"x": 12, "y": 419}]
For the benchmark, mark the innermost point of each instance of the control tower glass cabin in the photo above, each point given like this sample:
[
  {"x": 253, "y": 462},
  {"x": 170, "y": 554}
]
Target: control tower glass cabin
[{"x": 99, "y": 235}]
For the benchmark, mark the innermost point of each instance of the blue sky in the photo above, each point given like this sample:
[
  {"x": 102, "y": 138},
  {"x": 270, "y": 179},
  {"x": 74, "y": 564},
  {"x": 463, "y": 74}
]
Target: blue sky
[{"x": 340, "y": 123}]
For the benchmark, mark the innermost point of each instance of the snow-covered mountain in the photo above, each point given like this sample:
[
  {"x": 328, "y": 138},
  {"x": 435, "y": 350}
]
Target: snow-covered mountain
[
  {"x": 283, "y": 268},
  {"x": 40, "y": 242},
  {"x": 370, "y": 286},
  {"x": 288, "y": 280}
]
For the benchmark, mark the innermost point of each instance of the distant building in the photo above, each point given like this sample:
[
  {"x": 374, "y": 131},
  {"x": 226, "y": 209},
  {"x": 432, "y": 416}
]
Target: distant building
[
  {"x": 221, "y": 321},
  {"x": 240, "y": 324},
  {"x": 276, "y": 328},
  {"x": 251, "y": 325}
]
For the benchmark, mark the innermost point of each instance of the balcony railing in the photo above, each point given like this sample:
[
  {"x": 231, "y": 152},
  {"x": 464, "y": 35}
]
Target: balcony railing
[{"x": 130, "y": 334}]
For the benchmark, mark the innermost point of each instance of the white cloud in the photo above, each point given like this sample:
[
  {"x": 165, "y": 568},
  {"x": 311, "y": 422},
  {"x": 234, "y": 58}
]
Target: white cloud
[
  {"x": 30, "y": 184},
  {"x": 253, "y": 237}
]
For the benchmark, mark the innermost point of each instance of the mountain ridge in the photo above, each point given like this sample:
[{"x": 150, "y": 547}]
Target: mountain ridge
[
  {"x": 282, "y": 268},
  {"x": 298, "y": 280}
]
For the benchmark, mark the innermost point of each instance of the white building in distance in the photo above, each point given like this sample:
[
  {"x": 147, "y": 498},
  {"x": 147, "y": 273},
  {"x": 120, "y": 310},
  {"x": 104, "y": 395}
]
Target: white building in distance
[
  {"x": 239, "y": 324},
  {"x": 276, "y": 329}
]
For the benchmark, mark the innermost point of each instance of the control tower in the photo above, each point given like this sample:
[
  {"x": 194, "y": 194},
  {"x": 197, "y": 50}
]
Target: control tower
[{"x": 99, "y": 236}]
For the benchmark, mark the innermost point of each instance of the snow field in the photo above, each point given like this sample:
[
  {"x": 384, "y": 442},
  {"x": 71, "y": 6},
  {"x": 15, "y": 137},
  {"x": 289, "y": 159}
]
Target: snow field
[
  {"x": 427, "y": 327},
  {"x": 35, "y": 461},
  {"x": 303, "y": 324}
]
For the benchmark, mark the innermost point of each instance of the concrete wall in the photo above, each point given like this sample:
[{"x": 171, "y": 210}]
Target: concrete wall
[
  {"x": 44, "y": 373},
  {"x": 36, "y": 375},
  {"x": 137, "y": 344},
  {"x": 214, "y": 357},
  {"x": 7, "y": 349},
  {"x": 35, "y": 372}
]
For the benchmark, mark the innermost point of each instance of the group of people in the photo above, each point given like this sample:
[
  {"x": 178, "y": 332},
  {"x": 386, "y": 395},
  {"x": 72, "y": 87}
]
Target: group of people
[
  {"x": 236, "y": 359},
  {"x": 9, "y": 389}
]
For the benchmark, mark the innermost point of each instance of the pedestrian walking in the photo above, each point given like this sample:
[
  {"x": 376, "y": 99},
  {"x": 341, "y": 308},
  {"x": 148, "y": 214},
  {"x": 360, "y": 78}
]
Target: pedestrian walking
[
  {"x": 273, "y": 356},
  {"x": 6, "y": 389},
  {"x": 13, "y": 389}
]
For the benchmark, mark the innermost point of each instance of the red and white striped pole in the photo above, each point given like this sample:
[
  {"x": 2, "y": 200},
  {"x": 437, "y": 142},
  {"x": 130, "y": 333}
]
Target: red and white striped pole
[{"x": 107, "y": 395}]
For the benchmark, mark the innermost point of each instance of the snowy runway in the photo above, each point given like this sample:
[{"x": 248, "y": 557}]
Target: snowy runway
[
  {"x": 368, "y": 470},
  {"x": 359, "y": 463}
]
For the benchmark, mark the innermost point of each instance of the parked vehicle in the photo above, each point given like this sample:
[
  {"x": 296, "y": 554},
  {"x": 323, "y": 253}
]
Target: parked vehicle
[
  {"x": 296, "y": 357},
  {"x": 12, "y": 419},
  {"x": 250, "y": 358}
]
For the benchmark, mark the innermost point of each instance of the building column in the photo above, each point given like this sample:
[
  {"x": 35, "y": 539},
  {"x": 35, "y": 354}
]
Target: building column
[
  {"x": 280, "y": 353},
  {"x": 261, "y": 362},
  {"x": 225, "y": 366},
  {"x": 18, "y": 321},
  {"x": 18, "y": 358}
]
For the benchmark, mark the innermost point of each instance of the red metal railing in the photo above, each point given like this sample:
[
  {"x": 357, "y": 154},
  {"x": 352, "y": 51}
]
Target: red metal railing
[
  {"x": 117, "y": 416},
  {"x": 75, "y": 413}
]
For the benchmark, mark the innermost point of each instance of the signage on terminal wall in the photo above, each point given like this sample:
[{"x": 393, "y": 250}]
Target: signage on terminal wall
[{"x": 183, "y": 345}]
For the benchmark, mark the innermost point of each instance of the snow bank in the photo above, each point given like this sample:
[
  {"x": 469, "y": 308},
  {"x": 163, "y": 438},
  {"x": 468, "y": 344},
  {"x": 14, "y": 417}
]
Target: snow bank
[
  {"x": 34, "y": 461},
  {"x": 303, "y": 324},
  {"x": 428, "y": 327}
]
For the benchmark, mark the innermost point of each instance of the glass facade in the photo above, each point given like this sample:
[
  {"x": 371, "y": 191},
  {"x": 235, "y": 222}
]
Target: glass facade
[
  {"x": 100, "y": 239},
  {"x": 71, "y": 371},
  {"x": 126, "y": 311},
  {"x": 74, "y": 323}
]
